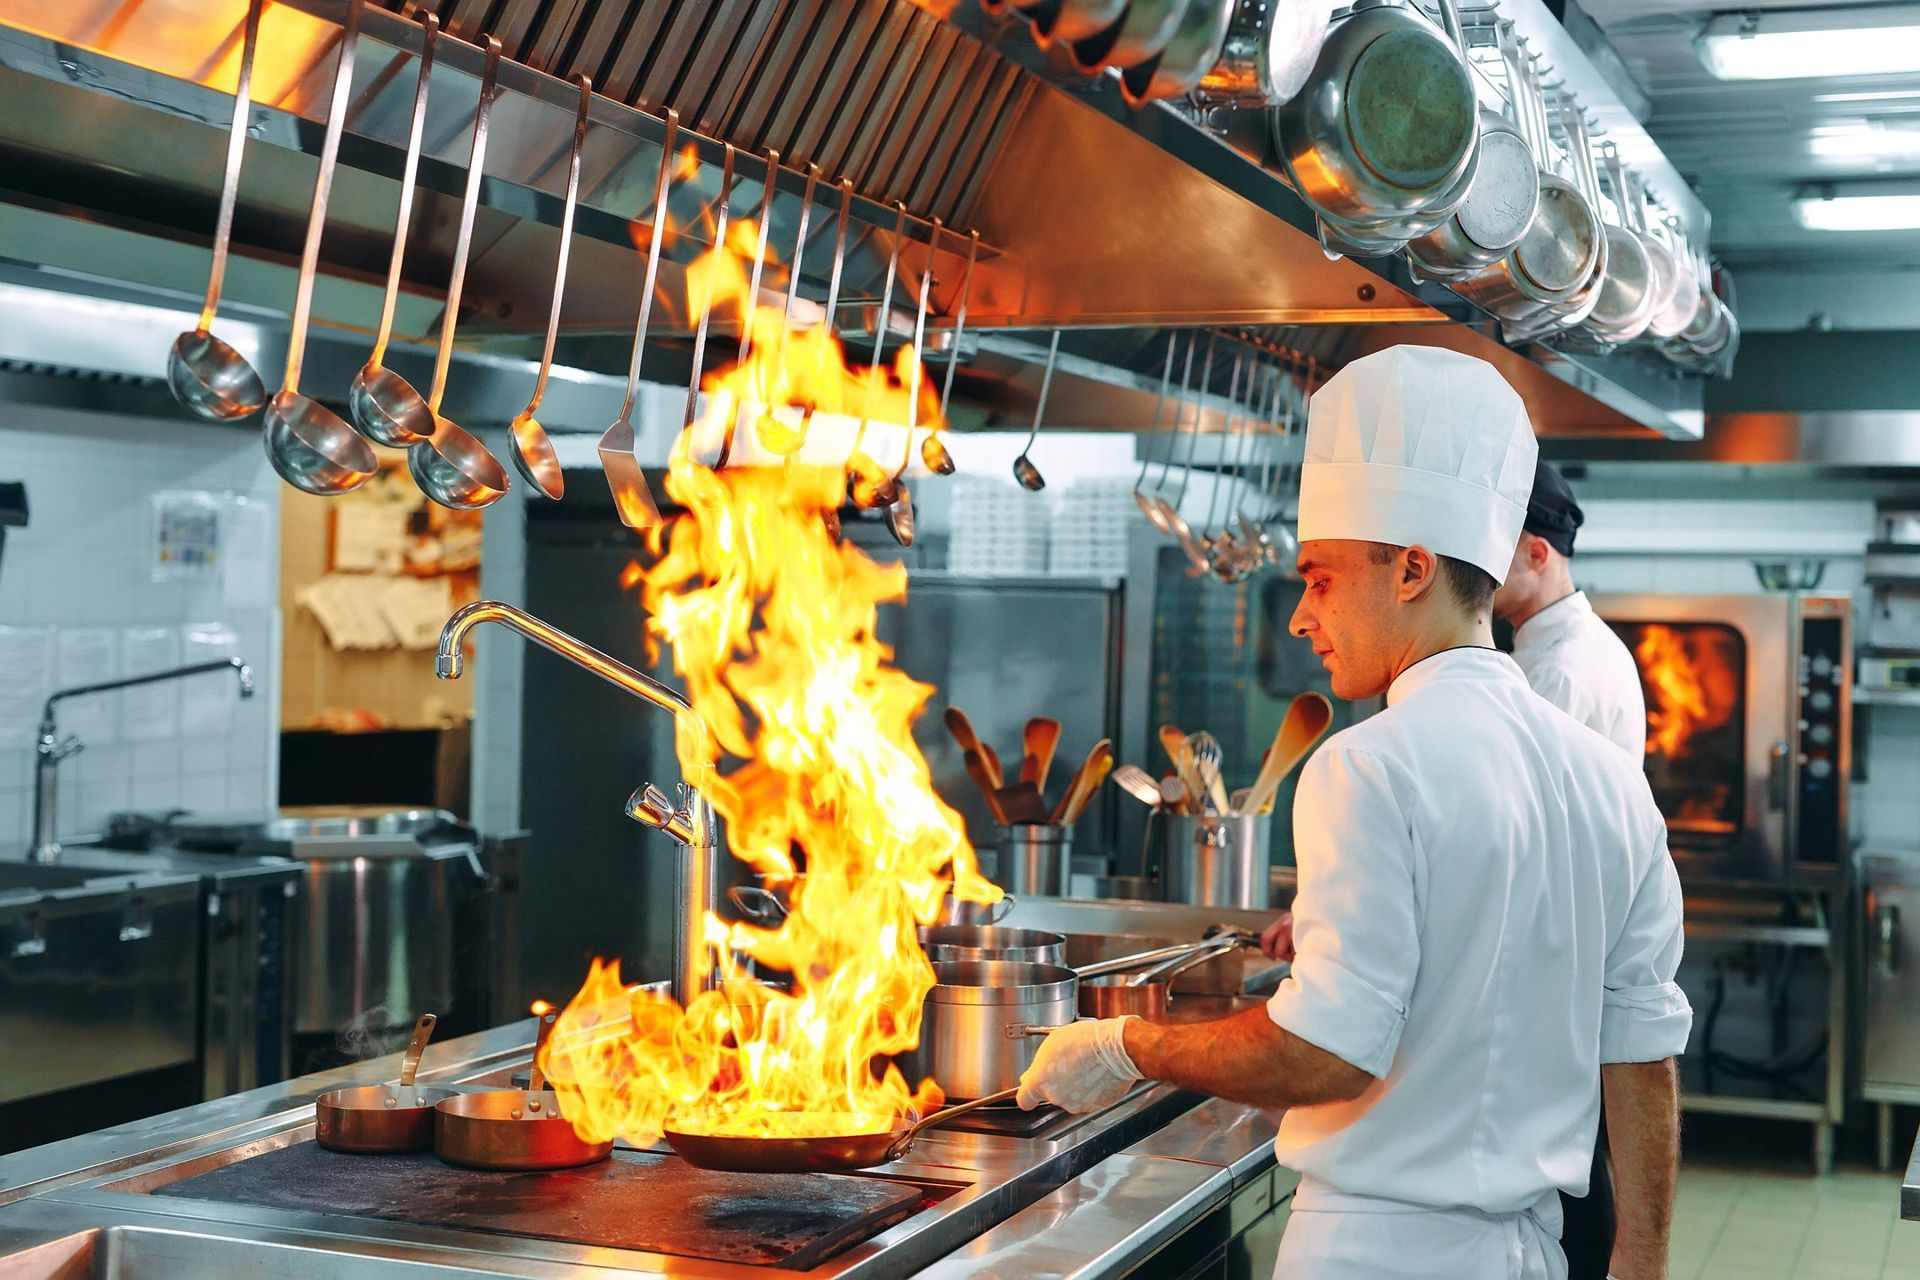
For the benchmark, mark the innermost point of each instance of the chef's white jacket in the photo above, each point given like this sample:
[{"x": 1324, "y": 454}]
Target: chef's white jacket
[
  {"x": 1486, "y": 912},
  {"x": 1575, "y": 661}
]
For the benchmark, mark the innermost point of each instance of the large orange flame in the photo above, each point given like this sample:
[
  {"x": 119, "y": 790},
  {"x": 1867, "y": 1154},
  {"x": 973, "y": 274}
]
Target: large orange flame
[
  {"x": 808, "y": 756},
  {"x": 1690, "y": 685}
]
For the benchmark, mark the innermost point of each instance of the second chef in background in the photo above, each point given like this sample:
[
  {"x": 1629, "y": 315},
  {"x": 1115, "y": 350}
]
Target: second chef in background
[{"x": 1487, "y": 923}]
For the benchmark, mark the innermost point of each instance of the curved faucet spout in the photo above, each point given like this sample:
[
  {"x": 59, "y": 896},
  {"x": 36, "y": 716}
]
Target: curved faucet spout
[{"x": 693, "y": 826}]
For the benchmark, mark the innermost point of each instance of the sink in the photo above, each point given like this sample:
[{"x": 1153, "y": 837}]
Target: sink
[{"x": 110, "y": 1253}]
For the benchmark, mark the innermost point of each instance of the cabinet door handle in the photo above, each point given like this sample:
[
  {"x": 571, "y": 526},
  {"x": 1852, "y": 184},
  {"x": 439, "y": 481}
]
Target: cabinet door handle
[
  {"x": 1777, "y": 775},
  {"x": 1886, "y": 930}
]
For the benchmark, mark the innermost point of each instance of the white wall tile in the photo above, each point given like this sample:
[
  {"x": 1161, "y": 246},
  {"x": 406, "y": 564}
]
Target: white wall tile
[{"x": 84, "y": 561}]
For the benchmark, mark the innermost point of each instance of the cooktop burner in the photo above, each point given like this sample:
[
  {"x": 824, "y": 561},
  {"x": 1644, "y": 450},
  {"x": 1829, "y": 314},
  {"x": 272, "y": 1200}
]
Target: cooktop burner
[
  {"x": 636, "y": 1200},
  {"x": 1008, "y": 1121}
]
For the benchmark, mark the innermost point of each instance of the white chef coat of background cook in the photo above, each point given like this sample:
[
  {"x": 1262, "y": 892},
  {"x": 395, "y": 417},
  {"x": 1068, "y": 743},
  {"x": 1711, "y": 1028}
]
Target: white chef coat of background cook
[
  {"x": 1486, "y": 913},
  {"x": 1574, "y": 660}
]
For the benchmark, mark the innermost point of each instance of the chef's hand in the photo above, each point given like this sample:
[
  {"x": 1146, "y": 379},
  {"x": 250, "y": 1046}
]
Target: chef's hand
[
  {"x": 1276, "y": 940},
  {"x": 1081, "y": 1067}
]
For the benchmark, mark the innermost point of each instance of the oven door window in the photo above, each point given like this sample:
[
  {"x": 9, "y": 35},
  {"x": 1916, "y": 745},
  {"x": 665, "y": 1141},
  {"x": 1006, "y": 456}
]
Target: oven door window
[{"x": 1694, "y": 676}]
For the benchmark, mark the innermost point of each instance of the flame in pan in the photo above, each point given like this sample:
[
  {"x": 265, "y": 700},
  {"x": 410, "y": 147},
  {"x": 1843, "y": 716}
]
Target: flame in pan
[{"x": 809, "y": 758}]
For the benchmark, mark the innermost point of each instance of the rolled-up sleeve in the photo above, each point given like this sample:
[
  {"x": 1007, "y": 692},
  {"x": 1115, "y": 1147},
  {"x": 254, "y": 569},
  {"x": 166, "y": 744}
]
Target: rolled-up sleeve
[
  {"x": 1644, "y": 1016},
  {"x": 1355, "y": 936}
]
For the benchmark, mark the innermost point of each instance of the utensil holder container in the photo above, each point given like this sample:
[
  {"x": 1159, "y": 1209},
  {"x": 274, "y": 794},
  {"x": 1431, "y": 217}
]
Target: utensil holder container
[
  {"x": 1216, "y": 861},
  {"x": 1035, "y": 859}
]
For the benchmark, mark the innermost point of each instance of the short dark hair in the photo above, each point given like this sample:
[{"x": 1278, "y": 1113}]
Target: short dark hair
[{"x": 1470, "y": 586}]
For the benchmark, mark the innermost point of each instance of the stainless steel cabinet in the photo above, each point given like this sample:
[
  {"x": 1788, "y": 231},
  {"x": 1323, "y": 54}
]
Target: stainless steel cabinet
[{"x": 1890, "y": 984}]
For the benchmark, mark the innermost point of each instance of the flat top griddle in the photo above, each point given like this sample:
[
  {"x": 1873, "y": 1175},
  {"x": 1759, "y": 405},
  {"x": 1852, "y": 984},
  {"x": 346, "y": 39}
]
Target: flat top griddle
[{"x": 636, "y": 1200}]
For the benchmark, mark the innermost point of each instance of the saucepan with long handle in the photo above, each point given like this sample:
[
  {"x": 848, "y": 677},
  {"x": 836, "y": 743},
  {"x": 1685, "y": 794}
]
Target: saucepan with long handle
[
  {"x": 517, "y": 1129},
  {"x": 837, "y": 1153},
  {"x": 378, "y": 1118}
]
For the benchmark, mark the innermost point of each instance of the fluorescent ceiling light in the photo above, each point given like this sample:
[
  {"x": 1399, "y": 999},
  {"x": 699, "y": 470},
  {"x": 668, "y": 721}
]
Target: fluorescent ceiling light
[
  {"x": 1860, "y": 207},
  {"x": 1875, "y": 95},
  {"x": 1864, "y": 140},
  {"x": 1803, "y": 43}
]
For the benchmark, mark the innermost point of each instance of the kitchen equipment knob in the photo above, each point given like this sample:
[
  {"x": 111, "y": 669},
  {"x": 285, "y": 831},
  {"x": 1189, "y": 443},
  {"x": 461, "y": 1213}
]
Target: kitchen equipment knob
[
  {"x": 1820, "y": 768},
  {"x": 1820, "y": 700}
]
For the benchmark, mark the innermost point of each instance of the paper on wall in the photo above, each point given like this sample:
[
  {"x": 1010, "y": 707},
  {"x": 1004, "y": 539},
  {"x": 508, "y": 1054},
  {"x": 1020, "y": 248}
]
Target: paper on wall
[
  {"x": 249, "y": 567},
  {"x": 149, "y": 712},
  {"x": 347, "y": 607},
  {"x": 416, "y": 609},
  {"x": 369, "y": 537},
  {"x": 207, "y": 701},
  {"x": 87, "y": 655},
  {"x": 186, "y": 535},
  {"x": 26, "y": 677}
]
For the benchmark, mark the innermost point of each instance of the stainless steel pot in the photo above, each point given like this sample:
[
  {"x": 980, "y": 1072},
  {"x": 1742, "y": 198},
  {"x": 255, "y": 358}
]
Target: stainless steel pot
[
  {"x": 1667, "y": 273},
  {"x": 1497, "y": 207},
  {"x": 1142, "y": 32},
  {"x": 1187, "y": 57},
  {"x": 963, "y": 942},
  {"x": 1624, "y": 304},
  {"x": 957, "y": 911},
  {"x": 1216, "y": 861},
  {"x": 1071, "y": 20},
  {"x": 1670, "y": 320},
  {"x": 1385, "y": 131},
  {"x": 964, "y": 1040},
  {"x": 1270, "y": 50},
  {"x": 1550, "y": 272}
]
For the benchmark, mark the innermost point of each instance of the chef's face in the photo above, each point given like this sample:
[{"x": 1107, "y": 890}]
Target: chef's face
[
  {"x": 1352, "y": 611},
  {"x": 1517, "y": 595}
]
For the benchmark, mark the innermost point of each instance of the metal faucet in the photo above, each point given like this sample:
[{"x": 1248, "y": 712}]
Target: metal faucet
[
  {"x": 691, "y": 823},
  {"x": 52, "y": 748}
]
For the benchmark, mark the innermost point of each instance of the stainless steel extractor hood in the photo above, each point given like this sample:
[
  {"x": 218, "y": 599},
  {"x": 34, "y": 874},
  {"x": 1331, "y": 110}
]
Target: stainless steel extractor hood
[{"x": 1091, "y": 217}]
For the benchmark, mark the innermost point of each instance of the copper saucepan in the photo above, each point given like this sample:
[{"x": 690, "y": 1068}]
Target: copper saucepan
[
  {"x": 379, "y": 1118},
  {"x": 513, "y": 1128},
  {"x": 837, "y": 1154}
]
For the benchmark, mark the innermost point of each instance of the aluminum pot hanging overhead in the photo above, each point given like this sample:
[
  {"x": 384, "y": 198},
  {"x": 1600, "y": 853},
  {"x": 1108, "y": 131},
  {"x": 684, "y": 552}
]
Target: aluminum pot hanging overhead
[
  {"x": 1383, "y": 137},
  {"x": 1269, "y": 52}
]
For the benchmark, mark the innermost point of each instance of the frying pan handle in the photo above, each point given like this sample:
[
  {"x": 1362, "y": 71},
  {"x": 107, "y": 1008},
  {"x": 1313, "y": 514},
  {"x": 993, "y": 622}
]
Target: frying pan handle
[
  {"x": 904, "y": 1143},
  {"x": 1028, "y": 1030},
  {"x": 422, "y": 1031}
]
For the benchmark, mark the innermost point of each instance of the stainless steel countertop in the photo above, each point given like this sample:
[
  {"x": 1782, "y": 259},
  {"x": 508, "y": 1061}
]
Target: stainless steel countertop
[{"x": 1085, "y": 1201}]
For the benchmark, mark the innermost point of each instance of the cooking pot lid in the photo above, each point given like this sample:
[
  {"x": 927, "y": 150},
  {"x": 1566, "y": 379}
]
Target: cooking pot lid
[
  {"x": 1557, "y": 251},
  {"x": 1505, "y": 191},
  {"x": 1292, "y": 44},
  {"x": 1410, "y": 109}
]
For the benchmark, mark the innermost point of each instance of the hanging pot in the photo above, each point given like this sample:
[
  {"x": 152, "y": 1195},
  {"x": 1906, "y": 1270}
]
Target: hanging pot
[{"x": 1269, "y": 52}]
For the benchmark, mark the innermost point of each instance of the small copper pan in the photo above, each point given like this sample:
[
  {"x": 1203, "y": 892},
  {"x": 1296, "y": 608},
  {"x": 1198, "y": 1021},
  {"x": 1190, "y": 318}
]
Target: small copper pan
[
  {"x": 513, "y": 1128},
  {"x": 378, "y": 1118}
]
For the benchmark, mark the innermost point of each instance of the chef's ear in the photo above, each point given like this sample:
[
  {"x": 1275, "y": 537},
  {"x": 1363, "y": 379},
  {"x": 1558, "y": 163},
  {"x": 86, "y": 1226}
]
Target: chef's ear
[{"x": 1419, "y": 572}]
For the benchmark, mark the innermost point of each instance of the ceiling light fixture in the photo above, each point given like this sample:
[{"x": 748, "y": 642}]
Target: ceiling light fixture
[
  {"x": 1881, "y": 206},
  {"x": 1864, "y": 140},
  {"x": 1871, "y": 95},
  {"x": 1866, "y": 40}
]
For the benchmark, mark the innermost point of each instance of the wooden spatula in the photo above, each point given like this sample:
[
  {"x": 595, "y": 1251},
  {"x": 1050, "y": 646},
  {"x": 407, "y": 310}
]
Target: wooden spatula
[
  {"x": 1074, "y": 800},
  {"x": 962, "y": 730},
  {"x": 983, "y": 779},
  {"x": 1041, "y": 737},
  {"x": 1307, "y": 718}
]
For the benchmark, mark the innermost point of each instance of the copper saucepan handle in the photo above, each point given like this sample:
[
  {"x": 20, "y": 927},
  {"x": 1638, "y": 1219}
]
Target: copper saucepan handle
[{"x": 422, "y": 1031}]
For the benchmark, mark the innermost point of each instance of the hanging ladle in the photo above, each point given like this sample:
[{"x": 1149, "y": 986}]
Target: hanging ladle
[
  {"x": 1141, "y": 500},
  {"x": 900, "y": 510},
  {"x": 866, "y": 483},
  {"x": 773, "y": 435},
  {"x": 933, "y": 451},
  {"x": 451, "y": 466},
  {"x": 210, "y": 378},
  {"x": 632, "y": 499},
  {"x": 527, "y": 444},
  {"x": 382, "y": 404},
  {"x": 720, "y": 216},
  {"x": 311, "y": 447},
  {"x": 1023, "y": 469},
  {"x": 1194, "y": 548},
  {"x": 750, "y": 304}
]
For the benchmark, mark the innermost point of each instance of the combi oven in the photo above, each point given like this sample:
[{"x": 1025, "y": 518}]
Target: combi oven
[{"x": 1749, "y": 721}]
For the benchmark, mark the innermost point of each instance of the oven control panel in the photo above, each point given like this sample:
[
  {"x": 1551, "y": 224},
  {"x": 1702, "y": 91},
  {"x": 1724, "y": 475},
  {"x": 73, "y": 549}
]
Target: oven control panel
[{"x": 1825, "y": 702}]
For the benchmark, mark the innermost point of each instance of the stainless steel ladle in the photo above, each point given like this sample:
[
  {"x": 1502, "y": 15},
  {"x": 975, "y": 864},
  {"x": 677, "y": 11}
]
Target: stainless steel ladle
[
  {"x": 1023, "y": 468},
  {"x": 933, "y": 451},
  {"x": 309, "y": 445},
  {"x": 527, "y": 443},
  {"x": 1195, "y": 548},
  {"x": 382, "y": 404},
  {"x": 451, "y": 466},
  {"x": 632, "y": 499},
  {"x": 1147, "y": 508},
  {"x": 207, "y": 376},
  {"x": 773, "y": 435},
  {"x": 866, "y": 484},
  {"x": 900, "y": 509}
]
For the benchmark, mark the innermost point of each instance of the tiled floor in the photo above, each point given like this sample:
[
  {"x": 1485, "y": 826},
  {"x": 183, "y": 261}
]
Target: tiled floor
[{"x": 1756, "y": 1222}]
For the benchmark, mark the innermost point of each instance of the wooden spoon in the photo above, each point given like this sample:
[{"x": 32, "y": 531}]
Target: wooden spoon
[
  {"x": 1307, "y": 718},
  {"x": 1042, "y": 736},
  {"x": 962, "y": 730},
  {"x": 1074, "y": 801}
]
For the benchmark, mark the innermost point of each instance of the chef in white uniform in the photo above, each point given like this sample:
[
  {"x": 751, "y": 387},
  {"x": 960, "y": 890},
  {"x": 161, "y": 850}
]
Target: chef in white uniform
[
  {"x": 1462, "y": 982},
  {"x": 1575, "y": 661},
  {"x": 1569, "y": 656}
]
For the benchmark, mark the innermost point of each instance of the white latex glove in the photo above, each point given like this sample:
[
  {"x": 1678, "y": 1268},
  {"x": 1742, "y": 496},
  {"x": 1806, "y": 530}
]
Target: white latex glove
[{"x": 1081, "y": 1067}]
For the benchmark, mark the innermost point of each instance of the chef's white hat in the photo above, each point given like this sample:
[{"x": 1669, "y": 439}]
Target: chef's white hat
[{"x": 1419, "y": 446}]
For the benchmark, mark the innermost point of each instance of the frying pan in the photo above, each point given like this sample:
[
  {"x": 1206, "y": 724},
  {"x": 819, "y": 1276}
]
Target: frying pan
[
  {"x": 378, "y": 1118},
  {"x": 839, "y": 1154},
  {"x": 513, "y": 1128}
]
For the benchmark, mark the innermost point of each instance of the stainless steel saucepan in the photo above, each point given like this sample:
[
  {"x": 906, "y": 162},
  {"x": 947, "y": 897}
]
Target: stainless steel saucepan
[
  {"x": 1382, "y": 140},
  {"x": 963, "y": 942},
  {"x": 1270, "y": 50}
]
